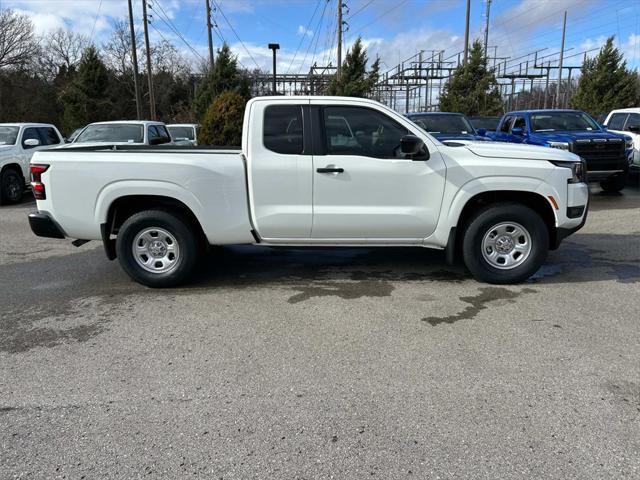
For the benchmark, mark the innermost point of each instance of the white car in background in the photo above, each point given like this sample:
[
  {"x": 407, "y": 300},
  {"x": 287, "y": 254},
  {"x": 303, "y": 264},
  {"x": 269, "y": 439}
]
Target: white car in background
[
  {"x": 18, "y": 142},
  {"x": 627, "y": 122},
  {"x": 184, "y": 131},
  {"x": 130, "y": 132}
]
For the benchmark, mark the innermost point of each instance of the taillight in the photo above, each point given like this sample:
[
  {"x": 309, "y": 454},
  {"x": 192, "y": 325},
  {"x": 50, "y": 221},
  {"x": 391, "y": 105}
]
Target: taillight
[{"x": 36, "y": 181}]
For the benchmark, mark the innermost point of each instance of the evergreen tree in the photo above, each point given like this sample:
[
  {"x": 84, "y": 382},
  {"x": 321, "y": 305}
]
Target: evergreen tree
[
  {"x": 222, "y": 122},
  {"x": 606, "y": 83},
  {"x": 472, "y": 89},
  {"x": 354, "y": 81},
  {"x": 224, "y": 76},
  {"x": 86, "y": 99}
]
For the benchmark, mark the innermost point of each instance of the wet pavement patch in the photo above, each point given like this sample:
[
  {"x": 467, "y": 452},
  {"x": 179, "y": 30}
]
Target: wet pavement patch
[
  {"x": 347, "y": 290},
  {"x": 76, "y": 321},
  {"x": 478, "y": 302}
]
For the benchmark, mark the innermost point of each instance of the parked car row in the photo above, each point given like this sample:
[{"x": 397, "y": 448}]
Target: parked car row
[
  {"x": 610, "y": 150},
  {"x": 18, "y": 142}
]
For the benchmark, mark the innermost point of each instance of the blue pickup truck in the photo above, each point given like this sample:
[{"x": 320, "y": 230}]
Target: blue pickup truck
[{"x": 606, "y": 153}]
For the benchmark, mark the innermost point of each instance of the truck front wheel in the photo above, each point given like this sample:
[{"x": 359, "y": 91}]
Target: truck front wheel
[
  {"x": 505, "y": 243},
  {"x": 614, "y": 184},
  {"x": 157, "y": 249},
  {"x": 11, "y": 186}
]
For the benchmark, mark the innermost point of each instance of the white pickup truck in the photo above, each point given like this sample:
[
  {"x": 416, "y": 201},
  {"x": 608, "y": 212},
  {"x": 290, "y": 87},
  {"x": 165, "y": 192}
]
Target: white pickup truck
[
  {"x": 18, "y": 143},
  {"x": 314, "y": 171}
]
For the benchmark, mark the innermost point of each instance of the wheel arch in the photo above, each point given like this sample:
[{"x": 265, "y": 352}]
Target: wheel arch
[
  {"x": 125, "y": 206},
  {"x": 535, "y": 201}
]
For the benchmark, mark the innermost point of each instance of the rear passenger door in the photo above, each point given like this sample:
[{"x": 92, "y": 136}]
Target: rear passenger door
[{"x": 280, "y": 169}]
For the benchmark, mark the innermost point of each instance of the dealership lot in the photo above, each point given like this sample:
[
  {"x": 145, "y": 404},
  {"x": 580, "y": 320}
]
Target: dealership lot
[{"x": 345, "y": 363}]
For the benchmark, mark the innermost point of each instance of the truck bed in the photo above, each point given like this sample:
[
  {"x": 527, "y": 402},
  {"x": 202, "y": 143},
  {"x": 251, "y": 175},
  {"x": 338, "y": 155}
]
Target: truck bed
[{"x": 210, "y": 181}]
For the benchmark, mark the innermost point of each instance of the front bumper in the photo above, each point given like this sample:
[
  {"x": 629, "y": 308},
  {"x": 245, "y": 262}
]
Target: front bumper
[{"x": 44, "y": 226}]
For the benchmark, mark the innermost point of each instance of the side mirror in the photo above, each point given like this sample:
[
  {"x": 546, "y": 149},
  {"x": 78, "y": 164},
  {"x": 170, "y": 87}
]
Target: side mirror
[
  {"x": 634, "y": 128},
  {"x": 411, "y": 145},
  {"x": 604, "y": 127},
  {"x": 482, "y": 132},
  {"x": 31, "y": 142},
  {"x": 517, "y": 131}
]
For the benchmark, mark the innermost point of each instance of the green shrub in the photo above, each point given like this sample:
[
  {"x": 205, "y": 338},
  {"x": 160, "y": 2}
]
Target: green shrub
[{"x": 222, "y": 122}]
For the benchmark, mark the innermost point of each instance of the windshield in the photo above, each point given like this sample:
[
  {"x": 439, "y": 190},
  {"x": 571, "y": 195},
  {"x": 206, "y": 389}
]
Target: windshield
[
  {"x": 443, "y": 123},
  {"x": 112, "y": 133},
  {"x": 8, "y": 135},
  {"x": 563, "y": 122},
  {"x": 181, "y": 132}
]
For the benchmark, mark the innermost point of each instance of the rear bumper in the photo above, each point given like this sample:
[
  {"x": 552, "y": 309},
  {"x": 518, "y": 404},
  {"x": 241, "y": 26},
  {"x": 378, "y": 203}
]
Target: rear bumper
[{"x": 44, "y": 226}]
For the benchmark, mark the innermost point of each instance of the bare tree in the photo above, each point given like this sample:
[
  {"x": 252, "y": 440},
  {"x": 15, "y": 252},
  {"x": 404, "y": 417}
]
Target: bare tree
[
  {"x": 117, "y": 50},
  {"x": 63, "y": 48},
  {"x": 18, "y": 44}
]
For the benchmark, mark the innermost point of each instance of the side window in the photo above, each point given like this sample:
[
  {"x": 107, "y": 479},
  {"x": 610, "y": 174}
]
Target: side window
[
  {"x": 633, "y": 120},
  {"x": 282, "y": 132},
  {"x": 616, "y": 122},
  {"x": 519, "y": 123},
  {"x": 28, "y": 134},
  {"x": 506, "y": 125},
  {"x": 49, "y": 136},
  {"x": 362, "y": 131},
  {"x": 158, "y": 135}
]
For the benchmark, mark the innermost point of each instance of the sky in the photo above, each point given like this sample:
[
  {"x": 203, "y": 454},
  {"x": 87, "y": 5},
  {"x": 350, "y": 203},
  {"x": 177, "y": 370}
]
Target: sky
[{"x": 392, "y": 29}]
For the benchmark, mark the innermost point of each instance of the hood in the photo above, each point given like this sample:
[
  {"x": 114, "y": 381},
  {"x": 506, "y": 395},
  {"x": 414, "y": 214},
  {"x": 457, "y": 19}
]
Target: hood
[
  {"x": 458, "y": 136},
  {"x": 571, "y": 136},
  {"x": 520, "y": 151}
]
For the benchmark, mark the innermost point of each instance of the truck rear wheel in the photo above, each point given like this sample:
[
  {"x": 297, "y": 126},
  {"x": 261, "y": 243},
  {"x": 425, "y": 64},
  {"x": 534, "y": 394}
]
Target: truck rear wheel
[
  {"x": 505, "y": 243},
  {"x": 11, "y": 186},
  {"x": 157, "y": 249}
]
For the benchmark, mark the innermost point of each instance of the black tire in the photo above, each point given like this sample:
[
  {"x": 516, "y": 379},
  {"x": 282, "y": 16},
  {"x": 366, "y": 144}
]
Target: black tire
[
  {"x": 615, "y": 184},
  {"x": 183, "y": 233},
  {"x": 483, "y": 222},
  {"x": 11, "y": 187}
]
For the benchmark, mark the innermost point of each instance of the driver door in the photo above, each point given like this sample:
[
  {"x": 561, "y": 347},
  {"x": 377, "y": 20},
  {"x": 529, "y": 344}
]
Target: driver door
[{"x": 364, "y": 188}]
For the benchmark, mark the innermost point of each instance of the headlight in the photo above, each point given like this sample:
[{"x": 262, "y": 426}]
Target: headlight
[
  {"x": 578, "y": 170},
  {"x": 559, "y": 145},
  {"x": 628, "y": 143}
]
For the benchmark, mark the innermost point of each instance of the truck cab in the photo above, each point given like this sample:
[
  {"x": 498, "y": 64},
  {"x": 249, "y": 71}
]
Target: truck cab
[
  {"x": 626, "y": 121},
  {"x": 129, "y": 132},
  {"x": 18, "y": 143},
  {"x": 572, "y": 130}
]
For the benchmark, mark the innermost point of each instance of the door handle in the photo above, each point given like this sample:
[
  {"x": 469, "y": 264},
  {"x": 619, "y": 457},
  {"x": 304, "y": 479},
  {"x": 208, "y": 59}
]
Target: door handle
[{"x": 330, "y": 170}]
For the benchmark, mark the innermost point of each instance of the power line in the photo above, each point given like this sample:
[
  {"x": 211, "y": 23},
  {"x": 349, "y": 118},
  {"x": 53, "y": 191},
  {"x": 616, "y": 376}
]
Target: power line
[
  {"x": 360, "y": 9},
  {"x": 396, "y": 6},
  {"x": 95, "y": 21},
  {"x": 314, "y": 35},
  {"x": 304, "y": 35},
  {"x": 167, "y": 21},
  {"x": 235, "y": 33}
]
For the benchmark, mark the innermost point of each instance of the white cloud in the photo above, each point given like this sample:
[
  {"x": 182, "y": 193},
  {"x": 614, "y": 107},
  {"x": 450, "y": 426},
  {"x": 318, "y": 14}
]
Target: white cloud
[{"x": 303, "y": 31}]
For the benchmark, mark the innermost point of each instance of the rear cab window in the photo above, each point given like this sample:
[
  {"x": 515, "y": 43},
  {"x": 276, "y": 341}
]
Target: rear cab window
[{"x": 283, "y": 130}]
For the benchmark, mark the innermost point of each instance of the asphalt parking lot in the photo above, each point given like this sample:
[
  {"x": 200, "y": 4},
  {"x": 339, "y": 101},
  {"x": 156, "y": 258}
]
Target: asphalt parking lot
[{"x": 350, "y": 363}]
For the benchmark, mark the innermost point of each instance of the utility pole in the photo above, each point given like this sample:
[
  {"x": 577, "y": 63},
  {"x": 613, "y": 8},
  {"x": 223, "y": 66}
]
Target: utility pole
[
  {"x": 466, "y": 33},
  {"x": 339, "y": 68},
  {"x": 152, "y": 98},
  {"x": 564, "y": 30},
  {"x": 486, "y": 28},
  {"x": 134, "y": 58},
  {"x": 274, "y": 47},
  {"x": 209, "y": 27}
]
